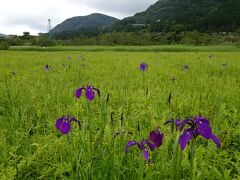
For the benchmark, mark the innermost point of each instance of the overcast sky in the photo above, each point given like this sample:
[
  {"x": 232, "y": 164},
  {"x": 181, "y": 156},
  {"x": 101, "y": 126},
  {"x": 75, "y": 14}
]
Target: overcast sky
[{"x": 17, "y": 16}]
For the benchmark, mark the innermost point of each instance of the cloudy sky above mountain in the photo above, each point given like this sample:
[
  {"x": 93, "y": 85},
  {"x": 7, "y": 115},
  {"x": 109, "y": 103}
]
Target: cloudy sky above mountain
[{"x": 17, "y": 16}]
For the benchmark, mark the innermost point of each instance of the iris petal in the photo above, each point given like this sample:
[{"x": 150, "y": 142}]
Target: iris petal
[
  {"x": 98, "y": 91},
  {"x": 204, "y": 128},
  {"x": 58, "y": 123},
  {"x": 143, "y": 66},
  {"x": 78, "y": 92},
  {"x": 184, "y": 138},
  {"x": 216, "y": 140},
  {"x": 145, "y": 155},
  {"x": 130, "y": 144},
  {"x": 151, "y": 145},
  {"x": 65, "y": 127},
  {"x": 178, "y": 122},
  {"x": 89, "y": 93},
  {"x": 156, "y": 137}
]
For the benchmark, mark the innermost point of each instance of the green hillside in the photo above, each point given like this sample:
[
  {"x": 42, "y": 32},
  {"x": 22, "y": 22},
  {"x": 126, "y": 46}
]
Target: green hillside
[
  {"x": 225, "y": 18},
  {"x": 203, "y": 15},
  {"x": 83, "y": 25}
]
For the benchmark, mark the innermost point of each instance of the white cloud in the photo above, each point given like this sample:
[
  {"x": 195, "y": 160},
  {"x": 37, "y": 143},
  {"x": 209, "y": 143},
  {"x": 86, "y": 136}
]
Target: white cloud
[{"x": 17, "y": 16}]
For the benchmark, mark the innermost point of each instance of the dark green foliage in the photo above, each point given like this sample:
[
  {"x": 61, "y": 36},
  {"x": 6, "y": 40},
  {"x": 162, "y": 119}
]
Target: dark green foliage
[
  {"x": 4, "y": 45},
  {"x": 15, "y": 40},
  {"x": 26, "y": 35},
  {"x": 226, "y": 18},
  {"x": 151, "y": 38},
  {"x": 83, "y": 32},
  {"x": 188, "y": 15},
  {"x": 128, "y": 38},
  {"x": 44, "y": 40}
]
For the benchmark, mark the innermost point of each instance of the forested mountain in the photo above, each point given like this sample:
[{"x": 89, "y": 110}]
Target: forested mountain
[
  {"x": 186, "y": 15},
  {"x": 225, "y": 18},
  {"x": 87, "y": 25}
]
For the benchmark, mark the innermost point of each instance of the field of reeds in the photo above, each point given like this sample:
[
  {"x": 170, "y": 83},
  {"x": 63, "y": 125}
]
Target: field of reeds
[
  {"x": 106, "y": 135},
  {"x": 153, "y": 48}
]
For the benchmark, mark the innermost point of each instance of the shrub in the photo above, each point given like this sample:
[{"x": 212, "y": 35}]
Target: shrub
[{"x": 4, "y": 45}]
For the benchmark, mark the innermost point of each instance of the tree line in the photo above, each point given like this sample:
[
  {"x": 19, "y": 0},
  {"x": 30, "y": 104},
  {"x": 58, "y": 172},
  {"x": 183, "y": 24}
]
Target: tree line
[{"x": 126, "y": 38}]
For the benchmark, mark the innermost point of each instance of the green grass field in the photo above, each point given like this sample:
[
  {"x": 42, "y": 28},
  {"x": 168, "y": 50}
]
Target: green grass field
[
  {"x": 129, "y": 108},
  {"x": 153, "y": 48}
]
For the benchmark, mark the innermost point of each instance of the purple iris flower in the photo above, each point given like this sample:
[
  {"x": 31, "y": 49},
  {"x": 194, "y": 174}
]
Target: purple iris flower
[
  {"x": 155, "y": 141},
  {"x": 143, "y": 67},
  {"x": 177, "y": 122},
  {"x": 197, "y": 126},
  {"x": 47, "y": 67},
  {"x": 89, "y": 92},
  {"x": 63, "y": 124}
]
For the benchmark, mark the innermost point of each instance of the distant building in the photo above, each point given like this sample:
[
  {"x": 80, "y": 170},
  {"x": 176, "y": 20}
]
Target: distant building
[
  {"x": 221, "y": 33},
  {"x": 138, "y": 25},
  {"x": 161, "y": 33}
]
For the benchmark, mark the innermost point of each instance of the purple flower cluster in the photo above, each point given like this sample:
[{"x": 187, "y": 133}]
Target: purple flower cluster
[
  {"x": 155, "y": 141},
  {"x": 63, "y": 124},
  {"x": 47, "y": 68},
  {"x": 191, "y": 127},
  {"x": 89, "y": 92},
  {"x": 196, "y": 126},
  {"x": 143, "y": 67}
]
